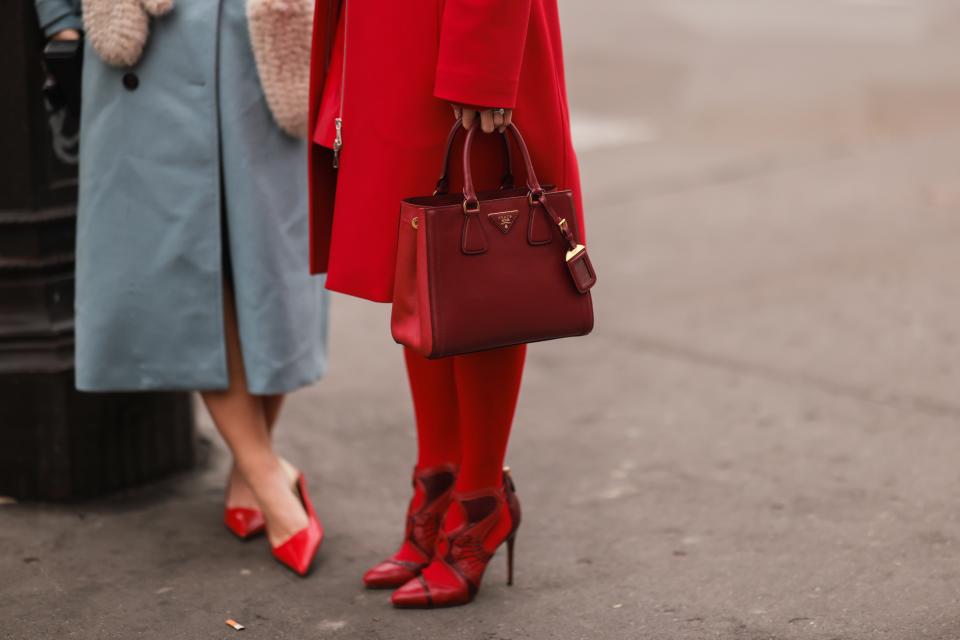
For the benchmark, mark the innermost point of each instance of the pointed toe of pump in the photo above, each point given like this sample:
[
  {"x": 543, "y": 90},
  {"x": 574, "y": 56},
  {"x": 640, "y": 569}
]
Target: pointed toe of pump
[
  {"x": 389, "y": 575},
  {"x": 415, "y": 594},
  {"x": 299, "y": 552},
  {"x": 244, "y": 523}
]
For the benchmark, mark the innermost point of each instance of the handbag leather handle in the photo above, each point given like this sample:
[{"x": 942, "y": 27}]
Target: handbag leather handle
[
  {"x": 536, "y": 196},
  {"x": 470, "y": 201},
  {"x": 443, "y": 183}
]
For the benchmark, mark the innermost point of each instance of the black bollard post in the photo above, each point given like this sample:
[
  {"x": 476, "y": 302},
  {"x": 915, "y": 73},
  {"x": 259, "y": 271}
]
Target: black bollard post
[{"x": 56, "y": 443}]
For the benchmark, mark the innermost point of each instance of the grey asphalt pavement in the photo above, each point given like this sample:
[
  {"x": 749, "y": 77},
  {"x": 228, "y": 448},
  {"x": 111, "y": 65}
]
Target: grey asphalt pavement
[{"x": 759, "y": 442}]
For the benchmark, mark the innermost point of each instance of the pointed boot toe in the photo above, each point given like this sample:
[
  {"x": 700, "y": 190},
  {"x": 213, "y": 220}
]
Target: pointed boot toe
[
  {"x": 415, "y": 594},
  {"x": 391, "y": 574}
]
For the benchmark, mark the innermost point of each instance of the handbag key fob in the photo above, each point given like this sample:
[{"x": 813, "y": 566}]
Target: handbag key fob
[{"x": 581, "y": 269}]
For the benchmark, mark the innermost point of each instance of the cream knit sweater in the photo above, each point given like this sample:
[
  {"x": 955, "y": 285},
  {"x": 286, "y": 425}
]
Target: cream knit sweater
[{"x": 280, "y": 33}]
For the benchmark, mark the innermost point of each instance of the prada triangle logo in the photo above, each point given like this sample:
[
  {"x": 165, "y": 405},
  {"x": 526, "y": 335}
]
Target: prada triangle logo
[{"x": 504, "y": 220}]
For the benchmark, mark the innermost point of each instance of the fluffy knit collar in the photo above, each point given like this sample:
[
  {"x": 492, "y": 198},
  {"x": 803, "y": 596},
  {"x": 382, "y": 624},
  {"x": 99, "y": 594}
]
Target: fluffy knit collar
[
  {"x": 118, "y": 29},
  {"x": 280, "y": 36}
]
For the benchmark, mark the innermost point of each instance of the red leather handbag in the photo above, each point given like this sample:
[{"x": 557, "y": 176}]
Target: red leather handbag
[{"x": 490, "y": 270}]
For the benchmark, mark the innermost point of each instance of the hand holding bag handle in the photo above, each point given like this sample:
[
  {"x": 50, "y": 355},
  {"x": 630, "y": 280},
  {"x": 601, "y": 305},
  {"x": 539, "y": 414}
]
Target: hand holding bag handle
[
  {"x": 470, "y": 201},
  {"x": 443, "y": 183}
]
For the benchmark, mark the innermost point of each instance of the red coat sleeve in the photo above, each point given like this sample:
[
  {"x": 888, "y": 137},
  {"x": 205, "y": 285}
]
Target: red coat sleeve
[{"x": 481, "y": 51}]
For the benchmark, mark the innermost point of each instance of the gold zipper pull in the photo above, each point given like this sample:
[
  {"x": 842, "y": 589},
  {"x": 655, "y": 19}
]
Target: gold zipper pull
[{"x": 337, "y": 142}]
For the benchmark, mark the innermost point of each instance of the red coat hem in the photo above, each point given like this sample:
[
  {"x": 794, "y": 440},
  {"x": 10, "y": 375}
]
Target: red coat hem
[{"x": 333, "y": 284}]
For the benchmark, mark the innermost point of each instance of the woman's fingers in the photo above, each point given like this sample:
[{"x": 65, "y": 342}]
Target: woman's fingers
[
  {"x": 486, "y": 120},
  {"x": 499, "y": 116},
  {"x": 157, "y": 7},
  {"x": 490, "y": 119},
  {"x": 469, "y": 115},
  {"x": 67, "y": 34}
]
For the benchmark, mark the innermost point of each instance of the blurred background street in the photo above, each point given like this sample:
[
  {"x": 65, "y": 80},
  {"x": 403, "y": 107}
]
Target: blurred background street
[{"x": 761, "y": 439}]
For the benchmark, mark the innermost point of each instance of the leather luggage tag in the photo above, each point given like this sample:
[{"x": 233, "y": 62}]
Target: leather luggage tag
[{"x": 581, "y": 269}]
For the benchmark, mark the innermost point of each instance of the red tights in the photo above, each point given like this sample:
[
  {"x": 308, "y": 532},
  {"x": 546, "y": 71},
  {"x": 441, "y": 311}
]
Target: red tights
[{"x": 464, "y": 407}]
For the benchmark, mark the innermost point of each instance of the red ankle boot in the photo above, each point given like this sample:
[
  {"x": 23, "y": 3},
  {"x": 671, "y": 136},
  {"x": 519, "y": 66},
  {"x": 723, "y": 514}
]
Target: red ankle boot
[
  {"x": 476, "y": 525},
  {"x": 432, "y": 492}
]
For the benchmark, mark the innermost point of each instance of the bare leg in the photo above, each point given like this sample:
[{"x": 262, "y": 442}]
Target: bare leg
[
  {"x": 271, "y": 409},
  {"x": 241, "y": 419},
  {"x": 239, "y": 493}
]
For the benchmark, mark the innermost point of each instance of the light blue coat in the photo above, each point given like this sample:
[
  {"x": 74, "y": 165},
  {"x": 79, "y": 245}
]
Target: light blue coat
[{"x": 176, "y": 174}]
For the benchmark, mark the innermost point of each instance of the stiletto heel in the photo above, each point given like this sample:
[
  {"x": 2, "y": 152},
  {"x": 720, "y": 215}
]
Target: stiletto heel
[
  {"x": 510, "y": 542},
  {"x": 476, "y": 523},
  {"x": 299, "y": 551}
]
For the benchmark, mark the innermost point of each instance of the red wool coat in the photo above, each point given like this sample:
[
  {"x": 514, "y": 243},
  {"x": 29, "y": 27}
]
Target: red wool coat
[{"x": 405, "y": 62}]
